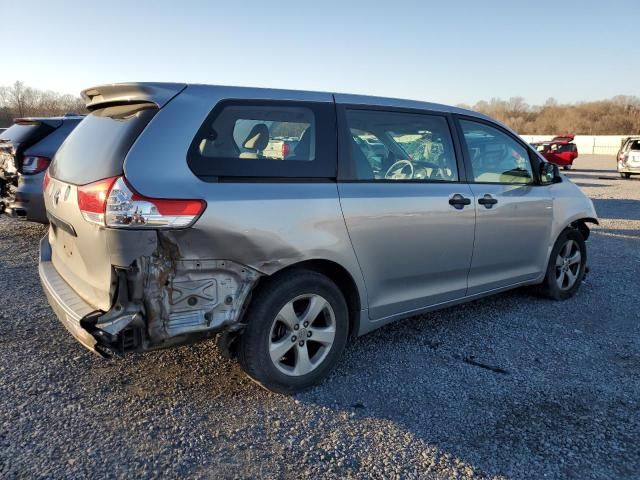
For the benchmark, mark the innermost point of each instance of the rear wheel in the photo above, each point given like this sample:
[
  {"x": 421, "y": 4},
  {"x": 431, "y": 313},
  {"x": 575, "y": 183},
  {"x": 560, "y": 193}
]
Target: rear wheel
[
  {"x": 297, "y": 328},
  {"x": 566, "y": 267},
  {"x": 625, "y": 175},
  {"x": 567, "y": 167}
]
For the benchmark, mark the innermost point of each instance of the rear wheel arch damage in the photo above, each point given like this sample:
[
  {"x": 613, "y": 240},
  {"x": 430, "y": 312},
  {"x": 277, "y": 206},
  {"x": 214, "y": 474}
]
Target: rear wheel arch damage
[
  {"x": 296, "y": 330},
  {"x": 163, "y": 299},
  {"x": 332, "y": 270}
]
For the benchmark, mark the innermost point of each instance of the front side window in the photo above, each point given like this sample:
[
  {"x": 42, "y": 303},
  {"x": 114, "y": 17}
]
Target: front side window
[
  {"x": 495, "y": 156},
  {"x": 400, "y": 146}
]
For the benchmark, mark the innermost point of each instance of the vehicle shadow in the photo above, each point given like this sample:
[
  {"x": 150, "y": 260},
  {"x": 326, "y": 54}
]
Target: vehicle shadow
[
  {"x": 592, "y": 170},
  {"x": 479, "y": 382},
  {"x": 592, "y": 185},
  {"x": 573, "y": 176},
  {"x": 629, "y": 209}
]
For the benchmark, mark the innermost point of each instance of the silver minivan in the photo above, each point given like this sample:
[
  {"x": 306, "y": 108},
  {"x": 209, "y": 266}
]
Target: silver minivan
[{"x": 171, "y": 221}]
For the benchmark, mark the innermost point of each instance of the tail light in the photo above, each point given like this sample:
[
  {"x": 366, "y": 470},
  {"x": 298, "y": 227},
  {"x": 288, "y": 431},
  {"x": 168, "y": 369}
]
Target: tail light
[
  {"x": 92, "y": 199},
  {"x": 285, "y": 149},
  {"x": 45, "y": 181},
  {"x": 32, "y": 165},
  {"x": 112, "y": 202},
  {"x": 621, "y": 157}
]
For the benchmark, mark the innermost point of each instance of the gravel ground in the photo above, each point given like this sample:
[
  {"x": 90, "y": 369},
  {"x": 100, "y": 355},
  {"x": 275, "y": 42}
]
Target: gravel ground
[{"x": 562, "y": 399}]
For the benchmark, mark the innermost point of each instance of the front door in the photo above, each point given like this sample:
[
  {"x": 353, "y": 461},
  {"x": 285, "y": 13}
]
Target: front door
[{"x": 514, "y": 212}]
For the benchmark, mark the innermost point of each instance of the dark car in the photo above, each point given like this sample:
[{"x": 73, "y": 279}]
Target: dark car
[{"x": 26, "y": 149}]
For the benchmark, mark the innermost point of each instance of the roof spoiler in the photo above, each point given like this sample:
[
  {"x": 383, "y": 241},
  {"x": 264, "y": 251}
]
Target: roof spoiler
[
  {"x": 35, "y": 121},
  {"x": 157, "y": 94}
]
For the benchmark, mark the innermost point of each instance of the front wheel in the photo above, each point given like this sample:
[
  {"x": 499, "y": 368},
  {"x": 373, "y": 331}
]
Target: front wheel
[
  {"x": 566, "y": 267},
  {"x": 567, "y": 167},
  {"x": 297, "y": 328}
]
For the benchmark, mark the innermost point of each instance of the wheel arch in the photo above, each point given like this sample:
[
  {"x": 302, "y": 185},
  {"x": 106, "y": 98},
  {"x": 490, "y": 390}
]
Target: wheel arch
[
  {"x": 581, "y": 225},
  {"x": 579, "y": 222},
  {"x": 338, "y": 275}
]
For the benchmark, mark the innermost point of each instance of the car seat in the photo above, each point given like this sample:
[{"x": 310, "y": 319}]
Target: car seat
[{"x": 256, "y": 141}]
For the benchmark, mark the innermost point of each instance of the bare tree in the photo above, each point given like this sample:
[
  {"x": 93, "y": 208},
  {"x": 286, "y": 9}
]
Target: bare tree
[
  {"x": 17, "y": 97},
  {"x": 20, "y": 100},
  {"x": 617, "y": 116}
]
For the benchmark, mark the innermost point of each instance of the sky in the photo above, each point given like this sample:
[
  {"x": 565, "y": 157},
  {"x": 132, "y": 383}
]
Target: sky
[{"x": 443, "y": 51}]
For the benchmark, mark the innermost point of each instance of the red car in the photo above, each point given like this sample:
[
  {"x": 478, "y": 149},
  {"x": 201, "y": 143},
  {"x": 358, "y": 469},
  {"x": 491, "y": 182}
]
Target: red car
[{"x": 559, "y": 150}]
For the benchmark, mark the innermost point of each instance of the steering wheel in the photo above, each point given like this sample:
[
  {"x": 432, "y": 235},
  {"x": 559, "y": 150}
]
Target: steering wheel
[{"x": 396, "y": 170}]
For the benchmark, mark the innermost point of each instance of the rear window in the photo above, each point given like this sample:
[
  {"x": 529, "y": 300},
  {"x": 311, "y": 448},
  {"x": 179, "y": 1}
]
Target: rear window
[
  {"x": 635, "y": 145},
  {"x": 97, "y": 147},
  {"x": 266, "y": 139},
  {"x": 49, "y": 145},
  {"x": 25, "y": 133}
]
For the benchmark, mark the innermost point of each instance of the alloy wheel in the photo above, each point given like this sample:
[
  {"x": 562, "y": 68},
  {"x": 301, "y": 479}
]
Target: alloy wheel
[
  {"x": 302, "y": 334},
  {"x": 568, "y": 263}
]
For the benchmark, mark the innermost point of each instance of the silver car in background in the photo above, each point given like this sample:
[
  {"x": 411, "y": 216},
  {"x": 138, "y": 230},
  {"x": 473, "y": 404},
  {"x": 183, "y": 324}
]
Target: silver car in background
[
  {"x": 628, "y": 157},
  {"x": 169, "y": 224}
]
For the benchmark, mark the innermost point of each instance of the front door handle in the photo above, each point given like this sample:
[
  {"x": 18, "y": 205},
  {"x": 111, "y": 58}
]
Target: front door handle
[
  {"x": 458, "y": 201},
  {"x": 488, "y": 201}
]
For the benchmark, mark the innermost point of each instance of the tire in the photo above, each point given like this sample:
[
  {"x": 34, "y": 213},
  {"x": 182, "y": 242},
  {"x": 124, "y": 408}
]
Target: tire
[
  {"x": 275, "y": 321},
  {"x": 567, "y": 167},
  {"x": 625, "y": 175},
  {"x": 574, "y": 273}
]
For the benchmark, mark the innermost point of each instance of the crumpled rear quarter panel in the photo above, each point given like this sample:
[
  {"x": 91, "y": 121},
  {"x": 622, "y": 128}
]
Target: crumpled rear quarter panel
[{"x": 266, "y": 225}]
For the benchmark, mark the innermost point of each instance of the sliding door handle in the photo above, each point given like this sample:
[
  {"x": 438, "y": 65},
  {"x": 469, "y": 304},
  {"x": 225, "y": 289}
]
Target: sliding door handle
[
  {"x": 458, "y": 201},
  {"x": 488, "y": 201}
]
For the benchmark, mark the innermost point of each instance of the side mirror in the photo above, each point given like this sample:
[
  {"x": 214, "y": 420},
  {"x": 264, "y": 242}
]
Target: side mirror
[{"x": 549, "y": 173}]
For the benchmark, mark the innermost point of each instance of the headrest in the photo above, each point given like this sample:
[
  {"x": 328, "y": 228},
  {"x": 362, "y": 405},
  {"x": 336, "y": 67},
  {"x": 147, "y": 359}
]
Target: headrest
[
  {"x": 258, "y": 138},
  {"x": 303, "y": 148}
]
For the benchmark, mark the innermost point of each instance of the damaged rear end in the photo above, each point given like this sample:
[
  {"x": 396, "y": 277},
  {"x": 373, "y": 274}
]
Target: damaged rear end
[
  {"x": 13, "y": 143},
  {"x": 115, "y": 263}
]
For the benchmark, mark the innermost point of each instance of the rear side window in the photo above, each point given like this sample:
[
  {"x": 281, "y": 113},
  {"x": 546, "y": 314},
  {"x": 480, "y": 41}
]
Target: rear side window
[
  {"x": 265, "y": 133},
  {"x": 97, "y": 147},
  {"x": 266, "y": 139}
]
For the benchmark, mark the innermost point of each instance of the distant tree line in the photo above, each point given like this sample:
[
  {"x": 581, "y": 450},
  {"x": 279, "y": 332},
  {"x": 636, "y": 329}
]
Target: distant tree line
[
  {"x": 19, "y": 100},
  {"x": 619, "y": 115}
]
